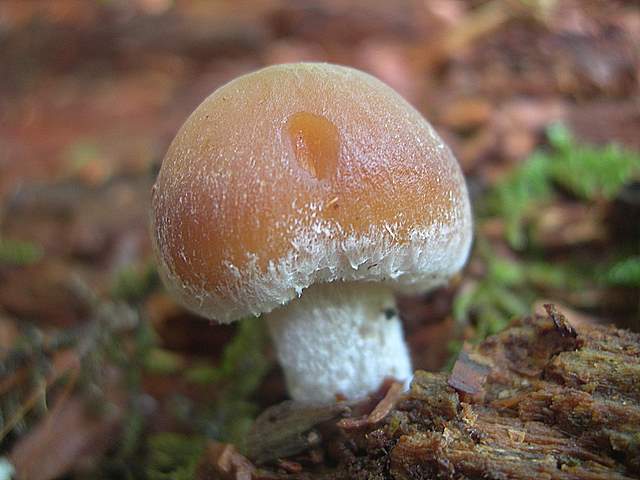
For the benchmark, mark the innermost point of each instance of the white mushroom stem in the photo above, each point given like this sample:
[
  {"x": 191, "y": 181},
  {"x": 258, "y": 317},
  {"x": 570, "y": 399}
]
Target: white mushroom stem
[{"x": 339, "y": 338}]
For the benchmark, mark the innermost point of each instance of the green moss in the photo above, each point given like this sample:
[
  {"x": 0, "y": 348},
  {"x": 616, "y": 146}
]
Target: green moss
[
  {"x": 172, "y": 456},
  {"x": 518, "y": 195},
  {"x": 513, "y": 280},
  {"x": 498, "y": 297},
  {"x": 588, "y": 172},
  {"x": 243, "y": 361},
  {"x": 162, "y": 362},
  {"x": 133, "y": 283},
  {"x": 19, "y": 253},
  {"x": 241, "y": 370},
  {"x": 202, "y": 373},
  {"x": 625, "y": 272}
]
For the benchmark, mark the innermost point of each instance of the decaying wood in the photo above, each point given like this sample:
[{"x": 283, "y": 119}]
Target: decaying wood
[
  {"x": 288, "y": 429},
  {"x": 541, "y": 399},
  {"x": 381, "y": 410},
  {"x": 223, "y": 462}
]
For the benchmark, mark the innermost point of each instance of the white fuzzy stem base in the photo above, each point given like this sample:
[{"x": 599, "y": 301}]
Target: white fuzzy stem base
[{"x": 339, "y": 338}]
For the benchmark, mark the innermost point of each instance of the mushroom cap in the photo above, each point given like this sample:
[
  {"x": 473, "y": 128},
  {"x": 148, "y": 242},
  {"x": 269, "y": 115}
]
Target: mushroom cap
[{"x": 299, "y": 174}]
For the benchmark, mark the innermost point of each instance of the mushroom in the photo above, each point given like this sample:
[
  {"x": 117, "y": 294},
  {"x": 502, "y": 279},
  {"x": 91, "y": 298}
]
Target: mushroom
[{"x": 307, "y": 194}]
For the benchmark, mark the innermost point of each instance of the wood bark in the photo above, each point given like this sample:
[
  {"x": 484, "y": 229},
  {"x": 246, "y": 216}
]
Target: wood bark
[{"x": 539, "y": 400}]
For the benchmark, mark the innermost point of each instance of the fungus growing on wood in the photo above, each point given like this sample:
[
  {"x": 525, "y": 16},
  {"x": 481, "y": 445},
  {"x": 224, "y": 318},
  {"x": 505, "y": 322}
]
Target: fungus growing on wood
[{"x": 307, "y": 194}]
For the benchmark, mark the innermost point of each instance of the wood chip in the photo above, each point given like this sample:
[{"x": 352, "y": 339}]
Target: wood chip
[
  {"x": 222, "y": 460},
  {"x": 386, "y": 404},
  {"x": 468, "y": 375},
  {"x": 289, "y": 466},
  {"x": 382, "y": 409},
  {"x": 287, "y": 429},
  {"x": 560, "y": 321}
]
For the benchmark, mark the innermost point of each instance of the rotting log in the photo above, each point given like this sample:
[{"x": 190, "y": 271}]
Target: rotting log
[{"x": 539, "y": 400}]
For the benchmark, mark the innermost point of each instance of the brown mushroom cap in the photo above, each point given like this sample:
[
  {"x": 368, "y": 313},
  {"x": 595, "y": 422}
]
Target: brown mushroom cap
[{"x": 299, "y": 174}]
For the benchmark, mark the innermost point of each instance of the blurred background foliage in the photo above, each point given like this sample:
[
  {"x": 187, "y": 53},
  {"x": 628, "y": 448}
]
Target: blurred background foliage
[{"x": 538, "y": 99}]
